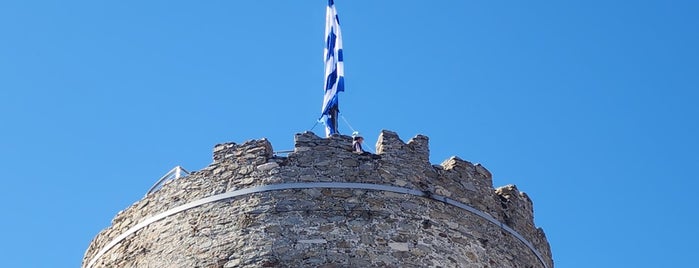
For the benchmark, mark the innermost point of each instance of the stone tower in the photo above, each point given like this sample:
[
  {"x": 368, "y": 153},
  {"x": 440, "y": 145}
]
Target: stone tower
[{"x": 324, "y": 206}]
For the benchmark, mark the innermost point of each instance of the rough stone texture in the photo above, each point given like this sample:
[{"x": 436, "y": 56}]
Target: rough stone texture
[{"x": 328, "y": 227}]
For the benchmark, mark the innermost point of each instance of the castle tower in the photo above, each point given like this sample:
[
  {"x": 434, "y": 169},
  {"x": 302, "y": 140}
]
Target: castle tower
[{"x": 324, "y": 206}]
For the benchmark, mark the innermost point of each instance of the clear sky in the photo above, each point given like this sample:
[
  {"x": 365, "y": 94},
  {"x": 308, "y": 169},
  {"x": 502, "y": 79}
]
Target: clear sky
[{"x": 588, "y": 106}]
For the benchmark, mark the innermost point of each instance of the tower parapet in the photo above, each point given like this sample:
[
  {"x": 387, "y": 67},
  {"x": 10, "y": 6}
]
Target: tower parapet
[{"x": 323, "y": 205}]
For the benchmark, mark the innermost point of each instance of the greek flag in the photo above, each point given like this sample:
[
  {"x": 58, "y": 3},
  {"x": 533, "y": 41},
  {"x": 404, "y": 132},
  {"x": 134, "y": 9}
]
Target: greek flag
[{"x": 334, "y": 69}]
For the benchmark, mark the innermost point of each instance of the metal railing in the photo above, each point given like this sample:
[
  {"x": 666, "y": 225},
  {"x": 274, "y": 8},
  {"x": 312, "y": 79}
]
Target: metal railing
[
  {"x": 174, "y": 173},
  {"x": 282, "y": 153}
]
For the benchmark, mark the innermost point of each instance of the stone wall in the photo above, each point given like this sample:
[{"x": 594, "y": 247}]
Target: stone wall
[{"x": 328, "y": 227}]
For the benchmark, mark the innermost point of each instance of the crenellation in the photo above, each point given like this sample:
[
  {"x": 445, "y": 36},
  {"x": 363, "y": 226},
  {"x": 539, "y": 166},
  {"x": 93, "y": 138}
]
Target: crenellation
[
  {"x": 392, "y": 149},
  {"x": 347, "y": 227},
  {"x": 469, "y": 186},
  {"x": 389, "y": 142},
  {"x": 485, "y": 173},
  {"x": 419, "y": 145},
  {"x": 223, "y": 150},
  {"x": 518, "y": 213},
  {"x": 516, "y": 206},
  {"x": 250, "y": 152}
]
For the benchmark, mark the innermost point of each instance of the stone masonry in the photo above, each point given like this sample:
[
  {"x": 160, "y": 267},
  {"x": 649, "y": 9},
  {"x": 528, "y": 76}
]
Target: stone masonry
[{"x": 327, "y": 227}]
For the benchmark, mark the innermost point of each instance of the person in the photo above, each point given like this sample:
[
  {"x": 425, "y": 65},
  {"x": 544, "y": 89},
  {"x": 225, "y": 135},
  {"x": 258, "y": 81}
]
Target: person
[{"x": 357, "y": 145}]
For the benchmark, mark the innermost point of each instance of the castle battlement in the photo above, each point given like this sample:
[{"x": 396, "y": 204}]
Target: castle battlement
[{"x": 323, "y": 204}]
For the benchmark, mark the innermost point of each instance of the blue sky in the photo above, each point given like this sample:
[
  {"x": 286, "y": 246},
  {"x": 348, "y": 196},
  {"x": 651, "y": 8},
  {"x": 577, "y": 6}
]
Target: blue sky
[{"x": 588, "y": 106}]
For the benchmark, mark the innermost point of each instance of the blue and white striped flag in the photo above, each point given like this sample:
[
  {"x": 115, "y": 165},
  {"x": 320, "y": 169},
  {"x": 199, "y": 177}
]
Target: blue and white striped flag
[{"x": 334, "y": 69}]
